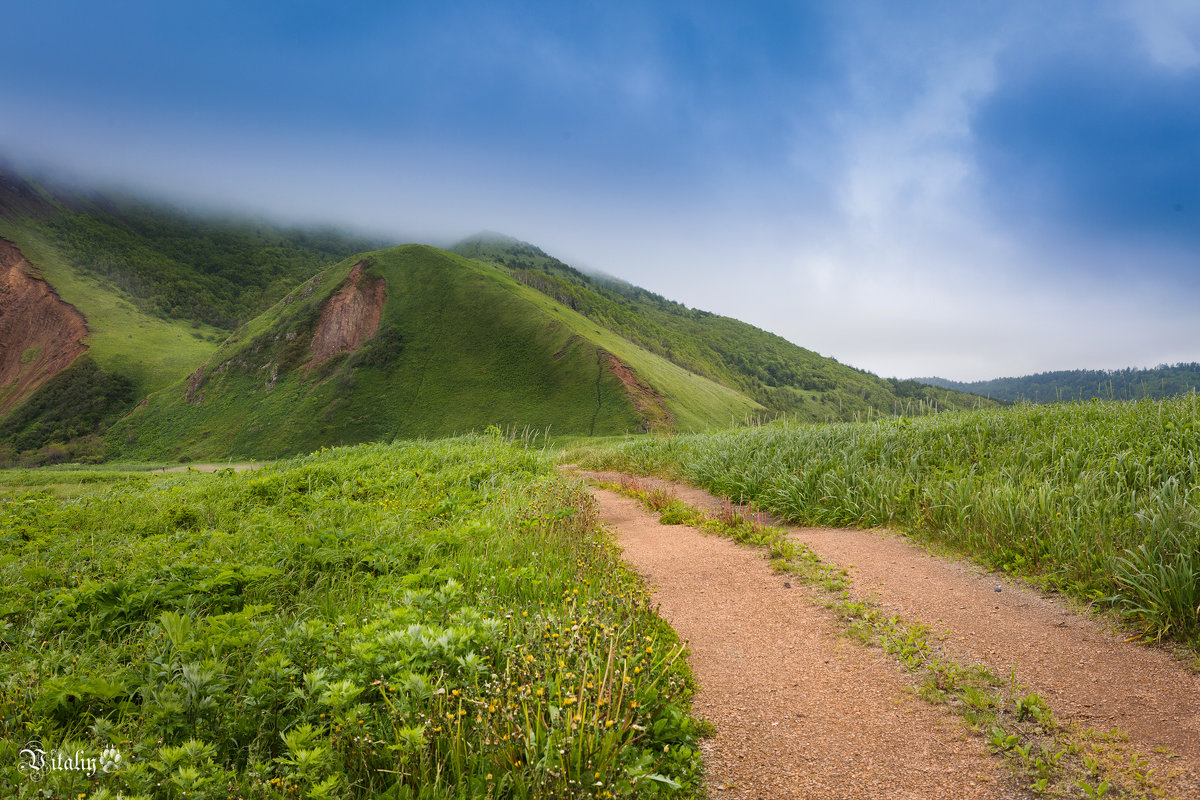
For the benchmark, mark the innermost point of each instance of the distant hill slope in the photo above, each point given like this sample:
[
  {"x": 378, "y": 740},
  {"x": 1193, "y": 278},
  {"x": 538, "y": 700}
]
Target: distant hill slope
[
  {"x": 1083, "y": 384},
  {"x": 145, "y": 292},
  {"x": 785, "y": 378},
  {"x": 409, "y": 342}
]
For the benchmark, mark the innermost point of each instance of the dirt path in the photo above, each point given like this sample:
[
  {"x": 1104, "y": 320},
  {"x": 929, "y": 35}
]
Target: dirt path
[
  {"x": 800, "y": 712},
  {"x": 1088, "y": 675},
  {"x": 207, "y": 467}
]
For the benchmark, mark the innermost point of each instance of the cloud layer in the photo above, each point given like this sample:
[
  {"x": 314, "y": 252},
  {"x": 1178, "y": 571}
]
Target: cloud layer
[{"x": 969, "y": 190}]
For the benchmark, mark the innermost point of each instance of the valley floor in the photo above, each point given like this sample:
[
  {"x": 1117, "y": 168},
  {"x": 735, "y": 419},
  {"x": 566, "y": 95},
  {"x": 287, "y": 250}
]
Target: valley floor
[{"x": 801, "y": 710}]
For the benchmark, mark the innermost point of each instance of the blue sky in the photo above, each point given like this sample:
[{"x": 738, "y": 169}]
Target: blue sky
[{"x": 962, "y": 189}]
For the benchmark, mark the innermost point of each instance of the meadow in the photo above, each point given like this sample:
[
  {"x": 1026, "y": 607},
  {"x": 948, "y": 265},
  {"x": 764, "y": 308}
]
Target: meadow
[
  {"x": 414, "y": 620},
  {"x": 1099, "y": 500}
]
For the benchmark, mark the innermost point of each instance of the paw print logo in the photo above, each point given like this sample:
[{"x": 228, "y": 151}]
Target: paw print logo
[{"x": 110, "y": 759}]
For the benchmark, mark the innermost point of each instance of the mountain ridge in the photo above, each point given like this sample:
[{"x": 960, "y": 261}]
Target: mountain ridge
[{"x": 782, "y": 376}]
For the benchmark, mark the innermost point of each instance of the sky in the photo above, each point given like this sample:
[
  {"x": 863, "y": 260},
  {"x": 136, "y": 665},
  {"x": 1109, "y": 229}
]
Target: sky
[{"x": 968, "y": 190}]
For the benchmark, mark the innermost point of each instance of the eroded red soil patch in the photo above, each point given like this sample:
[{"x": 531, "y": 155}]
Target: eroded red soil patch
[
  {"x": 646, "y": 400},
  {"x": 40, "y": 334},
  {"x": 350, "y": 317}
]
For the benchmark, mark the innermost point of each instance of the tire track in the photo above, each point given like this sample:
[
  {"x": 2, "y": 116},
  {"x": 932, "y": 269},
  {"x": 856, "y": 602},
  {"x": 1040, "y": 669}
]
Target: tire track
[
  {"x": 1089, "y": 674},
  {"x": 799, "y": 711}
]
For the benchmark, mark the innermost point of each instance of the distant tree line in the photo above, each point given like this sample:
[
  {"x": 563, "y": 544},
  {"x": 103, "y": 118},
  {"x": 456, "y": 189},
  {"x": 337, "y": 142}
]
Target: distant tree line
[{"x": 1165, "y": 380}]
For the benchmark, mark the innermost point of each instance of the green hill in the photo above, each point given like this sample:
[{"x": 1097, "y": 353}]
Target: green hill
[
  {"x": 411, "y": 342},
  {"x": 156, "y": 290},
  {"x": 111, "y": 301},
  {"x": 1131, "y": 383},
  {"x": 784, "y": 378}
]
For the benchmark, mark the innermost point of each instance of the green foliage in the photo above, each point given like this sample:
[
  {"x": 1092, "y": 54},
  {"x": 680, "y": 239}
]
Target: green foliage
[
  {"x": 783, "y": 377},
  {"x": 75, "y": 403},
  {"x": 382, "y": 351},
  {"x": 1099, "y": 499},
  {"x": 415, "y": 620},
  {"x": 1086, "y": 384}
]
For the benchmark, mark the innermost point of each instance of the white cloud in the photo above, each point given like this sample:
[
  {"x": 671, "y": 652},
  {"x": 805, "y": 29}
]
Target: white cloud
[
  {"x": 913, "y": 275},
  {"x": 1170, "y": 30}
]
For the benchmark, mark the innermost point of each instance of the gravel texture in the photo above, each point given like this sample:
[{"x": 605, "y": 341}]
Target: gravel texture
[{"x": 799, "y": 710}]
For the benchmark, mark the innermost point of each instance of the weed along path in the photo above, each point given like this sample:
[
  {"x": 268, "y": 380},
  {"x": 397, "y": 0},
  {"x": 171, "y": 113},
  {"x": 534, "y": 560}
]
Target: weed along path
[
  {"x": 775, "y": 674},
  {"x": 799, "y": 711}
]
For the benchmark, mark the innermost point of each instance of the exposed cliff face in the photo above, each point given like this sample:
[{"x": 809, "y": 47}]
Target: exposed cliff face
[
  {"x": 646, "y": 399},
  {"x": 350, "y": 317},
  {"x": 40, "y": 335}
]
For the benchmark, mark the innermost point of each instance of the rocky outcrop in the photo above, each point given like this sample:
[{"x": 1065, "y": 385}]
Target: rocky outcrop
[
  {"x": 350, "y": 317},
  {"x": 40, "y": 335}
]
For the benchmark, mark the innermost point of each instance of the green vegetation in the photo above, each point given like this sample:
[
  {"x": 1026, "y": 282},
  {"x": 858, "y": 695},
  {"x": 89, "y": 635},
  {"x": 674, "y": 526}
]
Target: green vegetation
[
  {"x": 1085, "y": 384},
  {"x": 420, "y": 620},
  {"x": 460, "y": 345},
  {"x": 63, "y": 414},
  {"x": 211, "y": 270},
  {"x": 781, "y": 376},
  {"x": 1100, "y": 500}
]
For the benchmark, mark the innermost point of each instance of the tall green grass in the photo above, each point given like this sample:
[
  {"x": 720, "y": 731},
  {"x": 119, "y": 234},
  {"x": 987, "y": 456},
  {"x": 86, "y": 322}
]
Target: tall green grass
[
  {"x": 407, "y": 621},
  {"x": 1099, "y": 499}
]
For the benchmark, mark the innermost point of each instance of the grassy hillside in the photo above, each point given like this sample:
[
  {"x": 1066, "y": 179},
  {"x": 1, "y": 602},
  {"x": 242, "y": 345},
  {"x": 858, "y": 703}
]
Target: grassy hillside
[
  {"x": 510, "y": 336},
  {"x": 148, "y": 350},
  {"x": 460, "y": 345},
  {"x": 209, "y": 270},
  {"x": 782, "y": 376},
  {"x": 159, "y": 289},
  {"x": 1097, "y": 499},
  {"x": 420, "y": 620},
  {"x": 1085, "y": 384}
]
